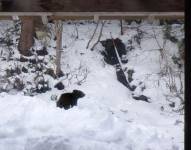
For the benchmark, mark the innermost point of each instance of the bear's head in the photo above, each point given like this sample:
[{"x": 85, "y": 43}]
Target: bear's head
[{"x": 78, "y": 93}]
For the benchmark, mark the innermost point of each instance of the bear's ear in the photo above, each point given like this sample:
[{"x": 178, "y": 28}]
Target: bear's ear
[{"x": 74, "y": 91}]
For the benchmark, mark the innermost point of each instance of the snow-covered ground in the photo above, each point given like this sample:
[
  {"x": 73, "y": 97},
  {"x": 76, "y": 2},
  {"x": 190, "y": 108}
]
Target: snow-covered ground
[{"x": 107, "y": 118}]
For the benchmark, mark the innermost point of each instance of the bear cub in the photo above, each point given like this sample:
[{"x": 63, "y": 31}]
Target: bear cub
[{"x": 68, "y": 100}]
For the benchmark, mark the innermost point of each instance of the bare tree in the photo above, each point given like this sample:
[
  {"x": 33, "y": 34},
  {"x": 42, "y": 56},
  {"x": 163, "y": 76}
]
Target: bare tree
[
  {"x": 58, "y": 31},
  {"x": 27, "y": 33},
  {"x": 121, "y": 26},
  {"x": 92, "y": 35}
]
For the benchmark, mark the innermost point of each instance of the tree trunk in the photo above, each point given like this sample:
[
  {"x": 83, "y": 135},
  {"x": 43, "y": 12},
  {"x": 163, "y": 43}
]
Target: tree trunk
[
  {"x": 58, "y": 30},
  {"x": 121, "y": 25},
  {"x": 26, "y": 40}
]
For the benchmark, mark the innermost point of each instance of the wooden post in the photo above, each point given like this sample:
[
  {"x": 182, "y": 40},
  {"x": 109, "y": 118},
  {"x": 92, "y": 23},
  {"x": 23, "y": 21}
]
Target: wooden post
[
  {"x": 58, "y": 30},
  {"x": 27, "y": 33}
]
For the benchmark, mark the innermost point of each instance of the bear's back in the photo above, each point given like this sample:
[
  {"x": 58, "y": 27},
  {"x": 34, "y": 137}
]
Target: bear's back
[
  {"x": 65, "y": 100},
  {"x": 68, "y": 100}
]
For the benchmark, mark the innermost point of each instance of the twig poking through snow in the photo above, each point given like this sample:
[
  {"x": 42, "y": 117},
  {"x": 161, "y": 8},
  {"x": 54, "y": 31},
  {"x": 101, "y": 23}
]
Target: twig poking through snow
[
  {"x": 100, "y": 34},
  {"x": 92, "y": 35}
]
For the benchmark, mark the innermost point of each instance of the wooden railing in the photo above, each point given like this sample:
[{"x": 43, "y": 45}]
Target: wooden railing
[{"x": 94, "y": 15}]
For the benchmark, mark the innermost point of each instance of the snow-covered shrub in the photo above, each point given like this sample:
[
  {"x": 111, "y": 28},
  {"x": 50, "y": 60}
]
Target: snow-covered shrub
[
  {"x": 18, "y": 84},
  {"x": 9, "y": 40},
  {"x": 76, "y": 75}
]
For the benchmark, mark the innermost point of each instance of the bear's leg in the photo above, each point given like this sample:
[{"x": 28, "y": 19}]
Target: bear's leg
[
  {"x": 74, "y": 102},
  {"x": 58, "y": 104},
  {"x": 67, "y": 107}
]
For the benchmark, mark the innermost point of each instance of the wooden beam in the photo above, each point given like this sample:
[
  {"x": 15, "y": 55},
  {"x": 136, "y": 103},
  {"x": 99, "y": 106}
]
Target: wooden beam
[
  {"x": 102, "y": 15},
  {"x": 54, "y": 17}
]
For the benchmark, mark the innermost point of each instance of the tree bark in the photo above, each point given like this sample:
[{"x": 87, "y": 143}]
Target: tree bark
[
  {"x": 121, "y": 25},
  {"x": 26, "y": 40},
  {"x": 58, "y": 30}
]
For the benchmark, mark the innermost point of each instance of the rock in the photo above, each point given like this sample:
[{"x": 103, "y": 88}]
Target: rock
[
  {"x": 59, "y": 86},
  {"x": 142, "y": 98},
  {"x": 33, "y": 61},
  {"x": 132, "y": 88},
  {"x": 130, "y": 75},
  {"x": 172, "y": 104},
  {"x": 24, "y": 70}
]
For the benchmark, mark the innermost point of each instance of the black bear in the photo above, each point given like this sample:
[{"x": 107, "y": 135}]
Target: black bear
[{"x": 68, "y": 100}]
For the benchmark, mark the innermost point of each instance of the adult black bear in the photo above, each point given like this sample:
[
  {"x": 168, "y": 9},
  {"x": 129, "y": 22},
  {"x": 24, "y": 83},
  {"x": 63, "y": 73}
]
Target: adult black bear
[{"x": 68, "y": 100}]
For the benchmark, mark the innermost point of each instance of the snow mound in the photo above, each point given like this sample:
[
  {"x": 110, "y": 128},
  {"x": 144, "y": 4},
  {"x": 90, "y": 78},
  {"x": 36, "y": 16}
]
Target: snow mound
[{"x": 30, "y": 123}]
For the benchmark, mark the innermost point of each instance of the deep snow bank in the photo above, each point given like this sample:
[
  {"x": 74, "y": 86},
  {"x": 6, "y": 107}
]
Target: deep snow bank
[{"x": 31, "y": 123}]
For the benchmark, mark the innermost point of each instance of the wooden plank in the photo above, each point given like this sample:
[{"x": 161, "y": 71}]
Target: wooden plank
[{"x": 101, "y": 15}]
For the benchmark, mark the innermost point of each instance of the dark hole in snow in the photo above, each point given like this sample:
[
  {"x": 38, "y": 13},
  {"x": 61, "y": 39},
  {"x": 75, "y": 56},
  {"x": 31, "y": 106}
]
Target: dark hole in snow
[
  {"x": 110, "y": 57},
  {"x": 142, "y": 98},
  {"x": 68, "y": 100},
  {"x": 59, "y": 86},
  {"x": 109, "y": 52}
]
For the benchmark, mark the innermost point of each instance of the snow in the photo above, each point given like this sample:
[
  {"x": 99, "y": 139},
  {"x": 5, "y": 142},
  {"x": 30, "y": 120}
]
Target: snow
[
  {"x": 107, "y": 118},
  {"x": 33, "y": 123}
]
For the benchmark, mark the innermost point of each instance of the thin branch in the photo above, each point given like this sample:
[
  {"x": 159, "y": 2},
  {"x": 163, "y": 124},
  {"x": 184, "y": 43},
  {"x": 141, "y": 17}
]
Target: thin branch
[
  {"x": 100, "y": 34},
  {"x": 92, "y": 35},
  {"x": 77, "y": 34}
]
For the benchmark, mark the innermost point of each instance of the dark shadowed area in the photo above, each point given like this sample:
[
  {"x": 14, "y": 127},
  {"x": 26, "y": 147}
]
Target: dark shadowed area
[{"x": 92, "y": 5}]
